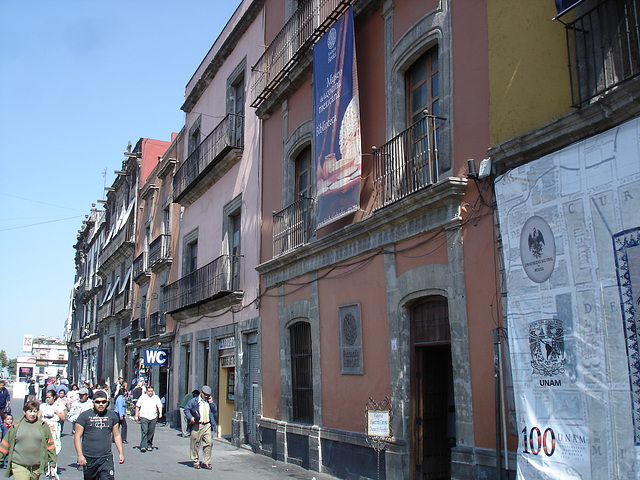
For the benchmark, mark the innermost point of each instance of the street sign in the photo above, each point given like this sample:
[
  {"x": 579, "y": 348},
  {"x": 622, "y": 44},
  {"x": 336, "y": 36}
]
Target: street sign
[{"x": 156, "y": 357}]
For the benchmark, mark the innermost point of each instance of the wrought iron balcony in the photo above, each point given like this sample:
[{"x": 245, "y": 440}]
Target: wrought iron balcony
[
  {"x": 604, "y": 48},
  {"x": 140, "y": 265},
  {"x": 228, "y": 135},
  {"x": 305, "y": 27},
  {"x": 407, "y": 163},
  {"x": 160, "y": 249},
  {"x": 157, "y": 323},
  {"x": 137, "y": 330},
  {"x": 215, "y": 280},
  {"x": 292, "y": 226},
  {"x": 124, "y": 238},
  {"x": 122, "y": 301},
  {"x": 105, "y": 310}
]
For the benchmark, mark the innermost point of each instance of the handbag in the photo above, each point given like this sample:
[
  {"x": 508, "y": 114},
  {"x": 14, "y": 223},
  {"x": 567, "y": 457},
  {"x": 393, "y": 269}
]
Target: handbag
[{"x": 7, "y": 410}]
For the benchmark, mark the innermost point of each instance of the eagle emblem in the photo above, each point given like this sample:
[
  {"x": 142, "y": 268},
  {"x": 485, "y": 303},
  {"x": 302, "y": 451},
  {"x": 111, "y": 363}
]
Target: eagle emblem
[{"x": 536, "y": 243}]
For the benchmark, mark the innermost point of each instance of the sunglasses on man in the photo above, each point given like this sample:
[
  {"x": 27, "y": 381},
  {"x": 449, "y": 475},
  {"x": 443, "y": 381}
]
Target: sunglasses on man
[{"x": 100, "y": 402}]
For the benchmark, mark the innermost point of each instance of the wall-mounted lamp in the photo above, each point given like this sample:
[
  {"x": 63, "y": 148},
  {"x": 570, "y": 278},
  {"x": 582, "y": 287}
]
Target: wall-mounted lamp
[{"x": 471, "y": 165}]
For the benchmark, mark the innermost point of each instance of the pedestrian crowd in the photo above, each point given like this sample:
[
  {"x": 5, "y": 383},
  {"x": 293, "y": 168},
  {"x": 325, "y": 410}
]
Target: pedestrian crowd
[{"x": 29, "y": 447}]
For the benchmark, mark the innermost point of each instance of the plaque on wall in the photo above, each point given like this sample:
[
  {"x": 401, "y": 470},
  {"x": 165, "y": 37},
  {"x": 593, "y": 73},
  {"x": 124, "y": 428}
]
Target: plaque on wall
[{"x": 350, "y": 340}]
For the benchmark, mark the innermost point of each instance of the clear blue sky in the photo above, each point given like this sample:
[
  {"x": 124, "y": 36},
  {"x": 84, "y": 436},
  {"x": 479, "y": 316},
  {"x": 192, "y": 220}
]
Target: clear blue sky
[{"x": 78, "y": 80}]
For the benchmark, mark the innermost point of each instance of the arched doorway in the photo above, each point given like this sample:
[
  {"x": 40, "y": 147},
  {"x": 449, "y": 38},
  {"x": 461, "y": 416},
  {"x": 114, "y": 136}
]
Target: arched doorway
[{"x": 432, "y": 400}]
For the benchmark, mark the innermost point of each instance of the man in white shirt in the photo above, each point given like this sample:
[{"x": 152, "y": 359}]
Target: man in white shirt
[
  {"x": 79, "y": 406},
  {"x": 200, "y": 412},
  {"x": 148, "y": 411}
]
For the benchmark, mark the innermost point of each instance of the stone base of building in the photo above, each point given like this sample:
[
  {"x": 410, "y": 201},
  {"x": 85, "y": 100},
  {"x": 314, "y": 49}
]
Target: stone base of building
[{"x": 348, "y": 455}]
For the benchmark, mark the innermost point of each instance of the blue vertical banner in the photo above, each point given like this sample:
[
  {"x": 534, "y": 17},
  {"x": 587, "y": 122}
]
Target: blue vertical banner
[{"x": 338, "y": 151}]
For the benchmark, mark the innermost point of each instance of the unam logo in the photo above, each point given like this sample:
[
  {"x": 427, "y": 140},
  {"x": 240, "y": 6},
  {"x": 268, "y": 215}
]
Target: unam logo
[
  {"x": 546, "y": 344},
  {"x": 331, "y": 39}
]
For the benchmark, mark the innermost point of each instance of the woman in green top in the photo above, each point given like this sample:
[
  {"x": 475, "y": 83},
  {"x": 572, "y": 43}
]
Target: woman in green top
[{"x": 29, "y": 446}]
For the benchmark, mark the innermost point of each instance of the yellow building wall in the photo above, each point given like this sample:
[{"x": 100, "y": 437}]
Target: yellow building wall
[
  {"x": 225, "y": 407},
  {"x": 528, "y": 73}
]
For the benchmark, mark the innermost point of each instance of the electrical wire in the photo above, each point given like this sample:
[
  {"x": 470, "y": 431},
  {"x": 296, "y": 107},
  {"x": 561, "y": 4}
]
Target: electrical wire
[{"x": 40, "y": 223}]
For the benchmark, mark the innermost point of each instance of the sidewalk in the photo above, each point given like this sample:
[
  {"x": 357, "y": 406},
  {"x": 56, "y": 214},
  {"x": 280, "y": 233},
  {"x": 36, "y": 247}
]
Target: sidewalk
[{"x": 171, "y": 460}]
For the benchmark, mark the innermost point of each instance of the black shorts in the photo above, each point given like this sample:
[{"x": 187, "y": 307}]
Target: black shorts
[{"x": 100, "y": 468}]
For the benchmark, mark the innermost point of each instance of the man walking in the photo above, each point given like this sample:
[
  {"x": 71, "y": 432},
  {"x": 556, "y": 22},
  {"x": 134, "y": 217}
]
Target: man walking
[
  {"x": 201, "y": 411},
  {"x": 5, "y": 398},
  {"x": 81, "y": 405},
  {"x": 148, "y": 410},
  {"x": 184, "y": 423},
  {"x": 116, "y": 388},
  {"x": 95, "y": 429}
]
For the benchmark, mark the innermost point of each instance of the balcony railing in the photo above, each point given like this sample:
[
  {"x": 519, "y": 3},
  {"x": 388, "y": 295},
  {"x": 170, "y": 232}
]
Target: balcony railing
[
  {"x": 140, "y": 265},
  {"x": 105, "y": 310},
  {"x": 122, "y": 301},
  {"x": 210, "y": 282},
  {"x": 137, "y": 330},
  {"x": 125, "y": 235},
  {"x": 227, "y": 135},
  {"x": 309, "y": 22},
  {"x": 160, "y": 249},
  {"x": 407, "y": 163},
  {"x": 157, "y": 323},
  {"x": 604, "y": 48},
  {"x": 292, "y": 226}
]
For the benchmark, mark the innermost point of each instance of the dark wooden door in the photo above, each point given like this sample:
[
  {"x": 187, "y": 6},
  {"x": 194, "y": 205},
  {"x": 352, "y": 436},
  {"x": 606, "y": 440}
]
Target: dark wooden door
[{"x": 432, "y": 399}]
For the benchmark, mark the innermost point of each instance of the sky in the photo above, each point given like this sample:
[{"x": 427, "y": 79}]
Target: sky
[{"x": 79, "y": 79}]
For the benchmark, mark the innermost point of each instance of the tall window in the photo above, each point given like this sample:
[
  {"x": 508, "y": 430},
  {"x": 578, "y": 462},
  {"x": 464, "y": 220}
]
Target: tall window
[
  {"x": 423, "y": 87},
  {"x": 304, "y": 192},
  {"x": 234, "y": 250},
  {"x": 237, "y": 109},
  {"x": 166, "y": 221},
  {"x": 194, "y": 136},
  {"x": 192, "y": 257},
  {"x": 301, "y": 372},
  {"x": 303, "y": 173},
  {"x": 423, "y": 94}
]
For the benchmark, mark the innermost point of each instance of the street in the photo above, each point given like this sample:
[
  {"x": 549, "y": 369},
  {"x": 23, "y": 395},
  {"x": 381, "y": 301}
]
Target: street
[{"x": 170, "y": 459}]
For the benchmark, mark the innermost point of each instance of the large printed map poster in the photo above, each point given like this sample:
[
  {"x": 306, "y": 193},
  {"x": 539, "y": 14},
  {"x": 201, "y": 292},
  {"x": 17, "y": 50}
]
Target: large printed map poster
[{"x": 570, "y": 227}]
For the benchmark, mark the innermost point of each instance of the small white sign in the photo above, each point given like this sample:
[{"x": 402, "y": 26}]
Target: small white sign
[{"x": 379, "y": 423}]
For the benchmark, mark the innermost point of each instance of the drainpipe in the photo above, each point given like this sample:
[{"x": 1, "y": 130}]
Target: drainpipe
[{"x": 498, "y": 402}]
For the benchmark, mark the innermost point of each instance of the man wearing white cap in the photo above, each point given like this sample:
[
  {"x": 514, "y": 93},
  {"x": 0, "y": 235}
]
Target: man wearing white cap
[
  {"x": 79, "y": 406},
  {"x": 200, "y": 412}
]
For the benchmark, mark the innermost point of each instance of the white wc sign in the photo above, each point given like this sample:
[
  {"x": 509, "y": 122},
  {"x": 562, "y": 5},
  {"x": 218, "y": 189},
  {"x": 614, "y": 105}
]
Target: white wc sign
[{"x": 156, "y": 357}]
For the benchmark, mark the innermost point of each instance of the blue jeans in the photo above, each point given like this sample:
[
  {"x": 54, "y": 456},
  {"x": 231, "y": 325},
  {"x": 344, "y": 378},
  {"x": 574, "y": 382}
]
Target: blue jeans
[{"x": 147, "y": 431}]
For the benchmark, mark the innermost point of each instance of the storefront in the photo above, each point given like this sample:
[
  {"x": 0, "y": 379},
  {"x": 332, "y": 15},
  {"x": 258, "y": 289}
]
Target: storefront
[{"x": 226, "y": 385}]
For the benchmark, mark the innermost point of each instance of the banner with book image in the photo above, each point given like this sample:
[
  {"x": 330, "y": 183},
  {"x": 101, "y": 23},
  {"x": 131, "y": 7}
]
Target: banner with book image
[
  {"x": 570, "y": 228},
  {"x": 338, "y": 156}
]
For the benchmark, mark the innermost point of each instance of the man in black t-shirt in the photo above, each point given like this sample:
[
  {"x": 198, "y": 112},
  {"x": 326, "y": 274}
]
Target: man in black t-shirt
[{"x": 94, "y": 429}]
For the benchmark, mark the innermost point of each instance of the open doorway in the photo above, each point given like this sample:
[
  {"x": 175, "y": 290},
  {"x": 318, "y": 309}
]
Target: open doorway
[{"x": 432, "y": 400}]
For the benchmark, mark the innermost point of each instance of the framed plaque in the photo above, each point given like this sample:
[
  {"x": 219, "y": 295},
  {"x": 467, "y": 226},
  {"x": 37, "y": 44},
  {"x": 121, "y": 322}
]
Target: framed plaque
[{"x": 350, "y": 340}]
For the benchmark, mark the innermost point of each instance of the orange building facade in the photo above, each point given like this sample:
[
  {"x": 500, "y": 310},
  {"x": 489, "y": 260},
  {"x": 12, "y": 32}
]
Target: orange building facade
[{"x": 393, "y": 303}]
